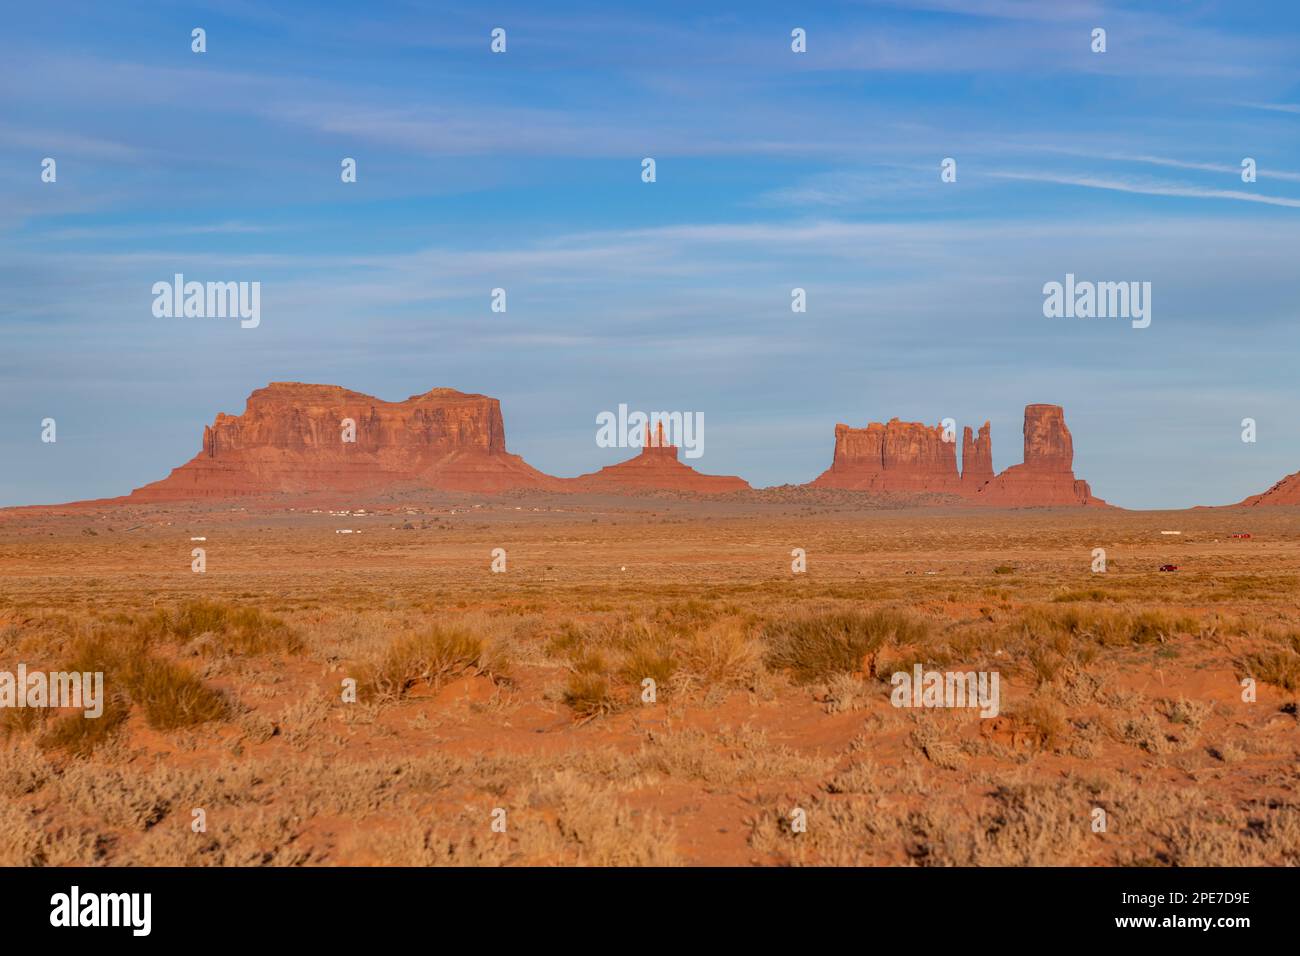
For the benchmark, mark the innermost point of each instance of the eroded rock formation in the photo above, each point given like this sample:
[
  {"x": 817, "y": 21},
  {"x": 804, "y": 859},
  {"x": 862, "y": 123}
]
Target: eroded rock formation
[
  {"x": 895, "y": 456},
  {"x": 1046, "y": 476},
  {"x": 292, "y": 438},
  {"x": 913, "y": 457},
  {"x": 976, "y": 459},
  {"x": 656, "y": 468}
]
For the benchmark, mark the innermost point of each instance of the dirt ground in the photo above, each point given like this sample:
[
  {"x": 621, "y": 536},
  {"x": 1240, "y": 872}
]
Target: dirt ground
[{"x": 504, "y": 717}]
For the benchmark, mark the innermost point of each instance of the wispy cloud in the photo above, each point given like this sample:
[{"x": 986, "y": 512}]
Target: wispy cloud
[
  {"x": 118, "y": 232},
  {"x": 56, "y": 142},
  {"x": 1265, "y": 172},
  {"x": 1149, "y": 188},
  {"x": 1274, "y": 107}
]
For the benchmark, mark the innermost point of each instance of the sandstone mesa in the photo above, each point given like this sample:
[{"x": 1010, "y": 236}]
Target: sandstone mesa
[
  {"x": 288, "y": 440},
  {"x": 911, "y": 456}
]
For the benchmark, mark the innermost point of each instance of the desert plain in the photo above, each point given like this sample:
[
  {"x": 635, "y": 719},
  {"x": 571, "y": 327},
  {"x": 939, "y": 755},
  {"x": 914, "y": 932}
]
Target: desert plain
[{"x": 502, "y": 716}]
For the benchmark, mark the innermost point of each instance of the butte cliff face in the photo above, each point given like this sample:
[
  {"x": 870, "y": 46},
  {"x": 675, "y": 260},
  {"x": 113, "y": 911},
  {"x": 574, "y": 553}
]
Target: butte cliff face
[
  {"x": 656, "y": 468},
  {"x": 895, "y": 456},
  {"x": 913, "y": 457},
  {"x": 1046, "y": 477},
  {"x": 292, "y": 438}
]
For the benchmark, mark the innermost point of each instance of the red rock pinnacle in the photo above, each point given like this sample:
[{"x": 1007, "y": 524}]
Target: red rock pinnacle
[
  {"x": 656, "y": 468},
  {"x": 1046, "y": 477},
  {"x": 976, "y": 459}
]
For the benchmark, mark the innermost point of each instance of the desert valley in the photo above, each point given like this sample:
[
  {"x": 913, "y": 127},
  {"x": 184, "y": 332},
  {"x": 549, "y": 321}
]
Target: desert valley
[{"x": 415, "y": 648}]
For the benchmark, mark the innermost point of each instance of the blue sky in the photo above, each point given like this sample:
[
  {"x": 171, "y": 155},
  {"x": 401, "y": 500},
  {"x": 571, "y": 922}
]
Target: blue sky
[{"x": 774, "y": 170}]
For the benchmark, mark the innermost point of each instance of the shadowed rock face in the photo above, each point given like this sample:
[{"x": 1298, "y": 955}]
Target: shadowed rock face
[
  {"x": 290, "y": 439},
  {"x": 656, "y": 468},
  {"x": 1285, "y": 492},
  {"x": 1046, "y": 477},
  {"x": 895, "y": 456}
]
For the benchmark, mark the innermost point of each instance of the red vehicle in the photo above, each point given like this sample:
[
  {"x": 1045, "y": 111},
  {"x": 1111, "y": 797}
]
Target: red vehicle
[
  {"x": 1241, "y": 534},
  {"x": 1168, "y": 567}
]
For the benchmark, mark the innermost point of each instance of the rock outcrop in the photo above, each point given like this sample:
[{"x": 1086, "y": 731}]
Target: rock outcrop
[
  {"x": 976, "y": 459},
  {"x": 912, "y": 457},
  {"x": 895, "y": 456},
  {"x": 292, "y": 438},
  {"x": 656, "y": 468},
  {"x": 1285, "y": 492},
  {"x": 1046, "y": 477}
]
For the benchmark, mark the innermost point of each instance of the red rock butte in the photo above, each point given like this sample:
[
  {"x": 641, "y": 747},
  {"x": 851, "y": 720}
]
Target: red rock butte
[
  {"x": 1046, "y": 476},
  {"x": 294, "y": 438},
  {"x": 655, "y": 468},
  {"x": 913, "y": 457},
  {"x": 896, "y": 456},
  {"x": 291, "y": 439}
]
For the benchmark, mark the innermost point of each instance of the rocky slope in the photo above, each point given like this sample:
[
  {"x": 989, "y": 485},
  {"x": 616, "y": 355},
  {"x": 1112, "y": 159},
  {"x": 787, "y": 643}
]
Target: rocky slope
[{"x": 1285, "y": 492}]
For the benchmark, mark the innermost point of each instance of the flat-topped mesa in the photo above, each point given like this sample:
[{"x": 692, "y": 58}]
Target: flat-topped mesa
[
  {"x": 299, "y": 438},
  {"x": 976, "y": 459},
  {"x": 1046, "y": 477},
  {"x": 895, "y": 456},
  {"x": 655, "y": 468}
]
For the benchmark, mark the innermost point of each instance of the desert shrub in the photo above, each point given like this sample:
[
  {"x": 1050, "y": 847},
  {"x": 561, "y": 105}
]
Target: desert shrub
[
  {"x": 170, "y": 694},
  {"x": 647, "y": 659},
  {"x": 1090, "y": 594},
  {"x": 430, "y": 657},
  {"x": 15, "y": 721},
  {"x": 722, "y": 655},
  {"x": 815, "y": 646},
  {"x": 240, "y": 630},
  {"x": 1280, "y": 668},
  {"x": 1045, "y": 718},
  {"x": 1105, "y": 626},
  {"x": 81, "y": 735},
  {"x": 590, "y": 695}
]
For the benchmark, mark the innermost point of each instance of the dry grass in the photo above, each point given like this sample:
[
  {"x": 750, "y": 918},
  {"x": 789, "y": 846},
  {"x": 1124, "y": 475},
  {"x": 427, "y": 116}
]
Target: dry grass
[
  {"x": 1120, "y": 692},
  {"x": 817, "y": 646},
  {"x": 429, "y": 657}
]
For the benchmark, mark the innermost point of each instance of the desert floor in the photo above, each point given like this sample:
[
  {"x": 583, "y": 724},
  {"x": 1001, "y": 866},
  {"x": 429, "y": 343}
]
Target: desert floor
[{"x": 499, "y": 717}]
